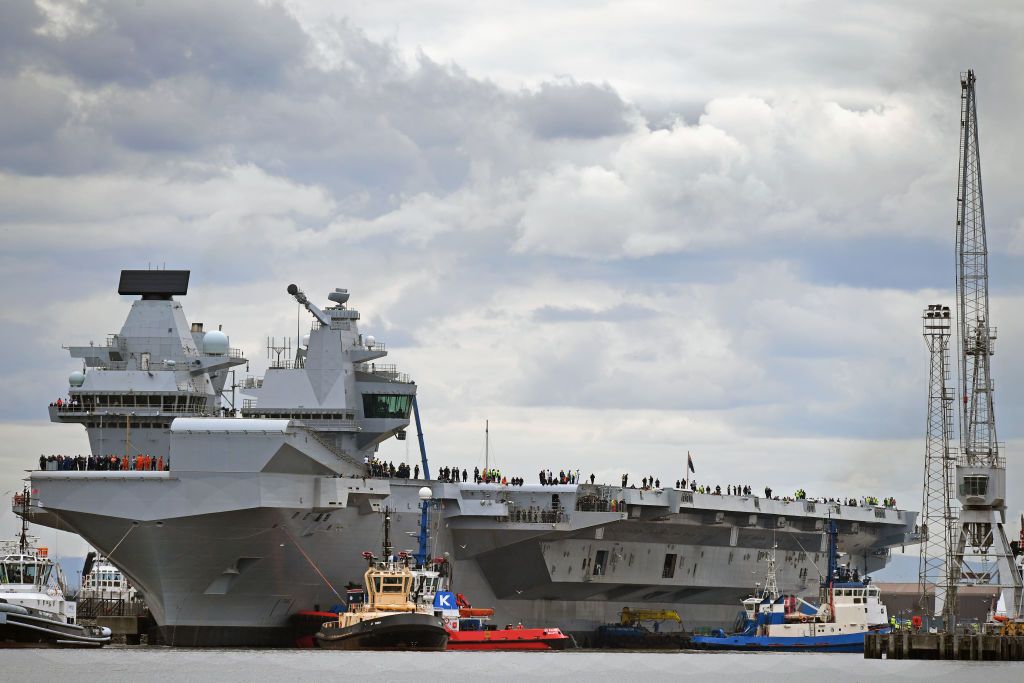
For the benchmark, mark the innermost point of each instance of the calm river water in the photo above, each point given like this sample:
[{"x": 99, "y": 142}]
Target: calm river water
[{"x": 293, "y": 666}]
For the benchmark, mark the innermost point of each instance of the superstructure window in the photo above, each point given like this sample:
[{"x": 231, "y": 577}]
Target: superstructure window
[
  {"x": 974, "y": 485},
  {"x": 394, "y": 406},
  {"x": 669, "y": 569}
]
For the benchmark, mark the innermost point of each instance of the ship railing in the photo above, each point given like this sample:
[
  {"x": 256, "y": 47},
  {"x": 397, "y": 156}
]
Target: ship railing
[
  {"x": 330, "y": 446},
  {"x": 983, "y": 459},
  {"x": 388, "y": 371},
  {"x": 232, "y": 353},
  {"x": 283, "y": 364},
  {"x": 593, "y": 503},
  {"x": 115, "y": 341},
  {"x": 90, "y": 608},
  {"x": 100, "y": 364},
  {"x": 325, "y": 423},
  {"x": 147, "y": 410}
]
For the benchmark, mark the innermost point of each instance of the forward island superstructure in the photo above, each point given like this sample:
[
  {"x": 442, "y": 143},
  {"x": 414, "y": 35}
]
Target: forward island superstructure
[{"x": 259, "y": 512}]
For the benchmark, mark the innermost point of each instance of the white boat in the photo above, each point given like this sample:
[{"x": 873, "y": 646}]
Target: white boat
[
  {"x": 848, "y": 608},
  {"x": 34, "y": 611}
]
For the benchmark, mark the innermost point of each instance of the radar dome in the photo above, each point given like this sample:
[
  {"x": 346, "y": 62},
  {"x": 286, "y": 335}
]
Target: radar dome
[
  {"x": 370, "y": 341},
  {"x": 305, "y": 340},
  {"x": 76, "y": 378},
  {"x": 215, "y": 343},
  {"x": 425, "y": 493}
]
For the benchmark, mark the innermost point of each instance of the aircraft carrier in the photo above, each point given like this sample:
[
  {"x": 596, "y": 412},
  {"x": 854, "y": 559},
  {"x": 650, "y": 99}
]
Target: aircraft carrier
[{"x": 262, "y": 510}]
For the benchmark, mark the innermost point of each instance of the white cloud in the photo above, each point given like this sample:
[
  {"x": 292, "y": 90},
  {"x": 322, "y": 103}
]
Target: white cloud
[{"x": 619, "y": 233}]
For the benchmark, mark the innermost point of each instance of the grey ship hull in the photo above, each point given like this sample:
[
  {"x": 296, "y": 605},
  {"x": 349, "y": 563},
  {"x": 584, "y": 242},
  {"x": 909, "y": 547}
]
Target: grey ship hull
[
  {"x": 261, "y": 514},
  {"x": 232, "y": 576}
]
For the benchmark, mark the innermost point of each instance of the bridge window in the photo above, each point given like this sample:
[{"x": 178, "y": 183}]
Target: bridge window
[
  {"x": 669, "y": 569},
  {"x": 393, "y": 584},
  {"x": 393, "y": 406},
  {"x": 974, "y": 485}
]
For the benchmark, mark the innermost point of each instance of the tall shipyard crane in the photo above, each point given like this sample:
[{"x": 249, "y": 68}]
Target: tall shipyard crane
[
  {"x": 937, "y": 514},
  {"x": 980, "y": 537}
]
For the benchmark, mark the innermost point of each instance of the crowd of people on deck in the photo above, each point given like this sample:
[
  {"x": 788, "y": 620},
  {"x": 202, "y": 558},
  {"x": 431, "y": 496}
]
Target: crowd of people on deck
[
  {"x": 104, "y": 463},
  {"x": 492, "y": 475},
  {"x": 388, "y": 470},
  {"x": 546, "y": 477},
  {"x": 66, "y": 404}
]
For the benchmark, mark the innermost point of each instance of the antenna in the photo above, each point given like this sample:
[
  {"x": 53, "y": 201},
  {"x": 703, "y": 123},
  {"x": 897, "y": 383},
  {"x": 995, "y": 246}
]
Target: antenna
[
  {"x": 275, "y": 350},
  {"x": 487, "y": 445}
]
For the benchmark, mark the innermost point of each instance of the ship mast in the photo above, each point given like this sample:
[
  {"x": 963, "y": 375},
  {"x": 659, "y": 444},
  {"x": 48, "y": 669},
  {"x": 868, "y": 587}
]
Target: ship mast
[
  {"x": 23, "y": 538},
  {"x": 981, "y": 469},
  {"x": 388, "y": 548}
]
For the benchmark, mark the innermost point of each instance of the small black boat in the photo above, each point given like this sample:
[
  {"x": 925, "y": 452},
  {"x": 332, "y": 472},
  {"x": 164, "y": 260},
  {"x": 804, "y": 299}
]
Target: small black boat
[
  {"x": 25, "y": 627},
  {"x": 409, "y": 631}
]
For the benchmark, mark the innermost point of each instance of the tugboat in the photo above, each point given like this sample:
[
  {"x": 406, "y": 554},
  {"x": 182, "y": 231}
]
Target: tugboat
[
  {"x": 467, "y": 626},
  {"x": 468, "y": 629},
  {"x": 848, "y": 609},
  {"x": 33, "y": 609},
  {"x": 389, "y": 619}
]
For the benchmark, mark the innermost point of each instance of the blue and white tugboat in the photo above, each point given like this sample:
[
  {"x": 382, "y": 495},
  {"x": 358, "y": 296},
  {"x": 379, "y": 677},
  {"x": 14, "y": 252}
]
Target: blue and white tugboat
[{"x": 847, "y": 609}]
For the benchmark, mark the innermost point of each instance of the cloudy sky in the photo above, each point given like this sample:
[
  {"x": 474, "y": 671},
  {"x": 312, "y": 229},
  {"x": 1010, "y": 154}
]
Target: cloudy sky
[{"x": 619, "y": 231}]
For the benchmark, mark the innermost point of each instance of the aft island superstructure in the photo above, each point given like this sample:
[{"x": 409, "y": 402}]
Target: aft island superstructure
[{"x": 261, "y": 511}]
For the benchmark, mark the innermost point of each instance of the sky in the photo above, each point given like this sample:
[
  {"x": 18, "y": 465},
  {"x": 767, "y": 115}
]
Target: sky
[{"x": 620, "y": 232}]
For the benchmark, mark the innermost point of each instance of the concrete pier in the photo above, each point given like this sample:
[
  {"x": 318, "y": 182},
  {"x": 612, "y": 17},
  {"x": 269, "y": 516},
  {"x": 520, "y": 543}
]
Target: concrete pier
[
  {"x": 964, "y": 646},
  {"x": 129, "y": 629}
]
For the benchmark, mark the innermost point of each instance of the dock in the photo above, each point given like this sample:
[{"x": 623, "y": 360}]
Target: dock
[{"x": 961, "y": 646}]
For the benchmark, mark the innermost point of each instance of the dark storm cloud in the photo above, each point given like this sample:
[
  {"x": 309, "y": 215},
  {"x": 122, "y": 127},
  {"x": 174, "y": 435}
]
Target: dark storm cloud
[
  {"x": 575, "y": 110},
  {"x": 19, "y": 20},
  {"x": 236, "y": 42},
  {"x": 236, "y": 82}
]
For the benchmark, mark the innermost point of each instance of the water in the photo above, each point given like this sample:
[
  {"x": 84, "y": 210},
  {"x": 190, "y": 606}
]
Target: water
[{"x": 296, "y": 666}]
